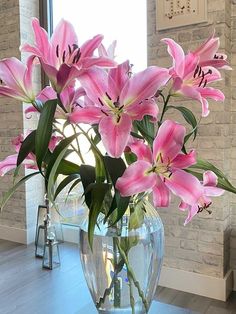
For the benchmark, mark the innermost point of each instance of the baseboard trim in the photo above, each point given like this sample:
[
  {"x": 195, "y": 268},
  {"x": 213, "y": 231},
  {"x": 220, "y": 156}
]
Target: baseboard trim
[
  {"x": 207, "y": 286},
  {"x": 234, "y": 274},
  {"x": 13, "y": 234},
  {"x": 70, "y": 233}
]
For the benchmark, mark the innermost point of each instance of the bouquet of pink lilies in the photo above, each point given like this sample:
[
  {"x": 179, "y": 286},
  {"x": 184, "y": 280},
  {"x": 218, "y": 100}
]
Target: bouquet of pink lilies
[{"x": 142, "y": 152}]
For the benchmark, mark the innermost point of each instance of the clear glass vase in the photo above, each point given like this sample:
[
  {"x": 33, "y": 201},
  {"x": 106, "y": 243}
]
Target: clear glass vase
[{"x": 123, "y": 268}]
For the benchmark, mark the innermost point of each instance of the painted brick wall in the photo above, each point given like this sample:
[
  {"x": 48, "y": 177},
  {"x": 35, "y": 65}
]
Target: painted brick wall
[
  {"x": 203, "y": 246},
  {"x": 15, "y": 29}
]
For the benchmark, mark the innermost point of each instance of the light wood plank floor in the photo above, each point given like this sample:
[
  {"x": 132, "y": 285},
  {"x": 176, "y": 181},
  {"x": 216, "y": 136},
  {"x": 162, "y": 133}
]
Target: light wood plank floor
[{"x": 27, "y": 289}]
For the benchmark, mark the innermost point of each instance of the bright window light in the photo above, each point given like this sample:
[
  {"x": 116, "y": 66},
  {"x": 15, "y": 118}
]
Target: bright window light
[{"x": 121, "y": 20}]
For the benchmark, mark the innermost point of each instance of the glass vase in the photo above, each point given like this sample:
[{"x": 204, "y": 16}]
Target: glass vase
[{"x": 123, "y": 267}]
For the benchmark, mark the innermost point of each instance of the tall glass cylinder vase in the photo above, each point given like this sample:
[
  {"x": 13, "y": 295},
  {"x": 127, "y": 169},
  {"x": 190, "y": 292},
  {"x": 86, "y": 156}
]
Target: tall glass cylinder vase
[{"x": 123, "y": 268}]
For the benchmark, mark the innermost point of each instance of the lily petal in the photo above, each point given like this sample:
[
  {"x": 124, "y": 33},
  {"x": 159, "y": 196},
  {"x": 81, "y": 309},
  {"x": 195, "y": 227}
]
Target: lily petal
[
  {"x": 12, "y": 72},
  {"x": 90, "y": 115},
  {"x": 213, "y": 191},
  {"x": 104, "y": 62},
  {"x": 210, "y": 178},
  {"x": 65, "y": 76},
  {"x": 141, "y": 150},
  {"x": 185, "y": 185},
  {"x": 115, "y": 133},
  {"x": 177, "y": 53},
  {"x": 192, "y": 211},
  {"x": 161, "y": 194},
  {"x": 119, "y": 76},
  {"x": 46, "y": 94},
  {"x": 143, "y": 85},
  {"x": 29, "y": 110},
  {"x": 184, "y": 160},
  {"x": 213, "y": 93},
  {"x": 87, "y": 49},
  {"x": 193, "y": 93},
  {"x": 135, "y": 179},
  {"x": 169, "y": 140},
  {"x": 8, "y": 164},
  {"x": 41, "y": 48},
  {"x": 95, "y": 83},
  {"x": 63, "y": 36},
  {"x": 147, "y": 107}
]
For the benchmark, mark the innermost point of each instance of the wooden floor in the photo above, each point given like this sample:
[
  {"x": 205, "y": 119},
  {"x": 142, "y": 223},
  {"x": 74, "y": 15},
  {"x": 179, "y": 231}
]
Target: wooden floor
[{"x": 27, "y": 289}]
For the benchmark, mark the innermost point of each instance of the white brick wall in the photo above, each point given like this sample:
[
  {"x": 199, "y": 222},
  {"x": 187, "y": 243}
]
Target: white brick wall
[
  {"x": 203, "y": 245},
  {"x": 15, "y": 28}
]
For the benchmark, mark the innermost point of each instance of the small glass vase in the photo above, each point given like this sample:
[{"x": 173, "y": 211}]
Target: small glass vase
[{"x": 123, "y": 268}]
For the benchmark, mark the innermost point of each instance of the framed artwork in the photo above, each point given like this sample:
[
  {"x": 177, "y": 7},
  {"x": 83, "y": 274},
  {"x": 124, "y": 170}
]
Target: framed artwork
[{"x": 176, "y": 13}]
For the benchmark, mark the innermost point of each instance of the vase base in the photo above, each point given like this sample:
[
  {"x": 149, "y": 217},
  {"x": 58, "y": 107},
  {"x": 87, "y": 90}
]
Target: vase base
[{"x": 137, "y": 310}]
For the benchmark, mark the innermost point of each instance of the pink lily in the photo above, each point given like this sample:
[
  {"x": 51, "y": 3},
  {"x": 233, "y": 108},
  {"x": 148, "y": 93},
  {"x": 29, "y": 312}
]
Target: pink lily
[
  {"x": 161, "y": 171},
  {"x": 190, "y": 79},
  {"x": 70, "y": 98},
  {"x": 109, "y": 52},
  {"x": 61, "y": 57},
  {"x": 17, "y": 79},
  {"x": 208, "y": 54},
  {"x": 10, "y": 162},
  {"x": 203, "y": 203},
  {"x": 117, "y": 101}
]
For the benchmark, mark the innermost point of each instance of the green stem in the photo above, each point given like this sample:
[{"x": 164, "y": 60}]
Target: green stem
[
  {"x": 164, "y": 107},
  {"x": 131, "y": 296},
  {"x": 107, "y": 292},
  {"x": 78, "y": 147},
  {"x": 116, "y": 281},
  {"x": 74, "y": 148},
  {"x": 131, "y": 274}
]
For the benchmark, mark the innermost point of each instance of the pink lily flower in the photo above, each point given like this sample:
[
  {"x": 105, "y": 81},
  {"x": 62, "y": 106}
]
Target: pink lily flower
[
  {"x": 61, "y": 57},
  {"x": 109, "y": 52},
  {"x": 162, "y": 171},
  {"x": 190, "y": 79},
  {"x": 203, "y": 203},
  {"x": 209, "y": 56},
  {"x": 118, "y": 99},
  {"x": 17, "y": 79},
  {"x": 10, "y": 162},
  {"x": 70, "y": 98}
]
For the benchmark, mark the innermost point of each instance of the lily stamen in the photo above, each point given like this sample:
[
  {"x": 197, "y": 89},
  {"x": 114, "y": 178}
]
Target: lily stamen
[
  {"x": 57, "y": 51},
  {"x": 108, "y": 96},
  {"x": 100, "y": 101}
]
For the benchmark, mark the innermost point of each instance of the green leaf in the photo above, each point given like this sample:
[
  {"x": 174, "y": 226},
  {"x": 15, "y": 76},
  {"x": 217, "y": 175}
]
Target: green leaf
[
  {"x": 115, "y": 167},
  {"x": 65, "y": 182},
  {"x": 189, "y": 118},
  {"x": 130, "y": 158},
  {"x": 67, "y": 167},
  {"x": 59, "y": 148},
  {"x": 206, "y": 165},
  {"x": 74, "y": 185},
  {"x": 53, "y": 174},
  {"x": 134, "y": 134},
  {"x": 118, "y": 208},
  {"x": 99, "y": 165},
  {"x": 136, "y": 215},
  {"x": 146, "y": 128},
  {"x": 10, "y": 192},
  {"x": 27, "y": 147},
  {"x": 44, "y": 130},
  {"x": 98, "y": 192},
  {"x": 88, "y": 176},
  {"x": 227, "y": 186}
]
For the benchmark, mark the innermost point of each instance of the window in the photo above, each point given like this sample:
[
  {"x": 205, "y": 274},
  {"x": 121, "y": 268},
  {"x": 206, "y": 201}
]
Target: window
[{"x": 121, "y": 20}]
